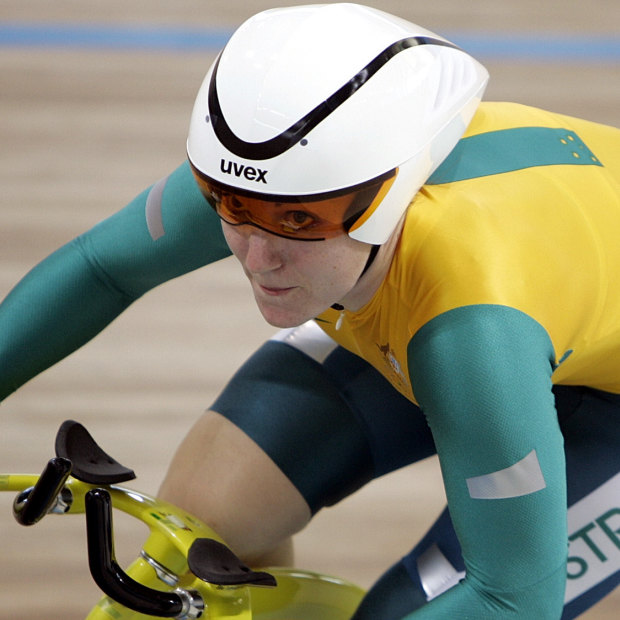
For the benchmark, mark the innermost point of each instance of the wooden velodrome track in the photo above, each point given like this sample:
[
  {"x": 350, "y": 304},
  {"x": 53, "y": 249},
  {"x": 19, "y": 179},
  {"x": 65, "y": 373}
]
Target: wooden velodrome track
[{"x": 83, "y": 129}]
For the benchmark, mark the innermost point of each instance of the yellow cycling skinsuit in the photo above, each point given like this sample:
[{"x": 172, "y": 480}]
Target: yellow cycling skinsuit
[
  {"x": 504, "y": 281},
  {"x": 503, "y": 284},
  {"x": 542, "y": 239}
]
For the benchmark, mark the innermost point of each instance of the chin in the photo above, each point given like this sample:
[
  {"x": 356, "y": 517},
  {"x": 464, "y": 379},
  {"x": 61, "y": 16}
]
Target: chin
[
  {"x": 283, "y": 322},
  {"x": 281, "y": 318}
]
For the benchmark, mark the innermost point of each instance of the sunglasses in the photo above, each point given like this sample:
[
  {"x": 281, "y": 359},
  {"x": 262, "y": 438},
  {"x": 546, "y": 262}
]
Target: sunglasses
[{"x": 313, "y": 217}]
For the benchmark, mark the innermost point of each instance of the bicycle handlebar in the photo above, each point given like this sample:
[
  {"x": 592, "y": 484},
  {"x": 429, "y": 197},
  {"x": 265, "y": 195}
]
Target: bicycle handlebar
[
  {"x": 33, "y": 504},
  {"x": 70, "y": 483},
  {"x": 111, "y": 578}
]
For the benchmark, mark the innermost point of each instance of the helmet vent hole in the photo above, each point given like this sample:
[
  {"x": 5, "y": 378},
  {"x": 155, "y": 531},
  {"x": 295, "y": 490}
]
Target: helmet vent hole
[{"x": 303, "y": 142}]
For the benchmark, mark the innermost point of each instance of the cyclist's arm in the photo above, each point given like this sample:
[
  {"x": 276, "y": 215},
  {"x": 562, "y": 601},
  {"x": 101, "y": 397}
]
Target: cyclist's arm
[
  {"x": 482, "y": 375},
  {"x": 72, "y": 295}
]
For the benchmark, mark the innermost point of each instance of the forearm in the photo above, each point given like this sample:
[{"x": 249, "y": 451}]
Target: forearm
[
  {"x": 482, "y": 376},
  {"x": 475, "y": 601},
  {"x": 77, "y": 291},
  {"x": 55, "y": 309}
]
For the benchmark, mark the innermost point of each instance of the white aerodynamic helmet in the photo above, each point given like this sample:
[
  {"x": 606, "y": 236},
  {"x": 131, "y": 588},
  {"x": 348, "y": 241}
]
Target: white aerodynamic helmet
[{"x": 320, "y": 120}]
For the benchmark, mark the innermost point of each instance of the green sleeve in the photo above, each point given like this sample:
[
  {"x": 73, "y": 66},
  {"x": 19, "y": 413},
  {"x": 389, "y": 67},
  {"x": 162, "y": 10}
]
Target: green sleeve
[
  {"x": 77, "y": 291},
  {"x": 482, "y": 376}
]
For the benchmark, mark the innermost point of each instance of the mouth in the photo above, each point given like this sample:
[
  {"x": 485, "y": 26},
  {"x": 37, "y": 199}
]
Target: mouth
[{"x": 275, "y": 291}]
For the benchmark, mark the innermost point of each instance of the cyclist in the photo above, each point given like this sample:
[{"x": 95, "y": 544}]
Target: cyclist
[{"x": 450, "y": 266}]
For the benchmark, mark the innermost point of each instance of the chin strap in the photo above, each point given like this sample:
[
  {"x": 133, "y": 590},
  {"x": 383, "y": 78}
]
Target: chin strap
[
  {"x": 371, "y": 257},
  {"x": 369, "y": 261}
]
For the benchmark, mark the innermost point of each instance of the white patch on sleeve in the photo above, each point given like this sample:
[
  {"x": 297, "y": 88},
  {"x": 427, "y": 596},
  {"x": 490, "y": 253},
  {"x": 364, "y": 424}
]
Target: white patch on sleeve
[
  {"x": 522, "y": 478},
  {"x": 154, "y": 221},
  {"x": 436, "y": 573}
]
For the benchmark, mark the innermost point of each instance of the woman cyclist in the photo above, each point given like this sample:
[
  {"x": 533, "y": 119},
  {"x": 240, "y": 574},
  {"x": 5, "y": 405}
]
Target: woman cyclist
[{"x": 444, "y": 269}]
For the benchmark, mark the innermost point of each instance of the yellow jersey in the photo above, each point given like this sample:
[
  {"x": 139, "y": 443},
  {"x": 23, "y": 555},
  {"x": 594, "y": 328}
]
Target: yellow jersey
[{"x": 525, "y": 213}]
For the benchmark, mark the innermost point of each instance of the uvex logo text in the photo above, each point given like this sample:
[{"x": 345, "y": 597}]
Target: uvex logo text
[{"x": 250, "y": 173}]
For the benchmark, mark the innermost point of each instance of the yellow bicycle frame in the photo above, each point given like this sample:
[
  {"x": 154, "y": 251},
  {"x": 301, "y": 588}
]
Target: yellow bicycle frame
[{"x": 299, "y": 595}]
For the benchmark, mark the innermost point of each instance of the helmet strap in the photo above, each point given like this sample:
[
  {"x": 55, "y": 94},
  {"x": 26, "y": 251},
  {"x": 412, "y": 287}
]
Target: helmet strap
[
  {"x": 371, "y": 257},
  {"x": 369, "y": 261}
]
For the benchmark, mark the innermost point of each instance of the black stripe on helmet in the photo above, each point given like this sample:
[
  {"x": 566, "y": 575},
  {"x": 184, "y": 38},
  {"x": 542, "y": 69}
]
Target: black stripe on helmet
[{"x": 291, "y": 136}]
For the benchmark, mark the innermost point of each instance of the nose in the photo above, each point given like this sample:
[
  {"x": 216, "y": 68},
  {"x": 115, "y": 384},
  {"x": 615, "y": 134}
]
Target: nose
[{"x": 262, "y": 250}]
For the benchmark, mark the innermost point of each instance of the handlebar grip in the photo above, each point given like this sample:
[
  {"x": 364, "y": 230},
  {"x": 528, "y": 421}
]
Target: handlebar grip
[
  {"x": 111, "y": 578},
  {"x": 32, "y": 505}
]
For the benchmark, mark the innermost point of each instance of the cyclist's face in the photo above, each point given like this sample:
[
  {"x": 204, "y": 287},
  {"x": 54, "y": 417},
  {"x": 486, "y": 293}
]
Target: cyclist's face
[{"x": 292, "y": 280}]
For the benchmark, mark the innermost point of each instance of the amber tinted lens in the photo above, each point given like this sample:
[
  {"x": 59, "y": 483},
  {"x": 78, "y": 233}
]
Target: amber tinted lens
[
  {"x": 309, "y": 218},
  {"x": 300, "y": 220}
]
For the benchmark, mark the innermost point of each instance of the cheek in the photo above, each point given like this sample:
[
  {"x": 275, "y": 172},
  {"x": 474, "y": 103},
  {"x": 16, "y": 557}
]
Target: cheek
[
  {"x": 353, "y": 256},
  {"x": 236, "y": 241},
  {"x": 341, "y": 263}
]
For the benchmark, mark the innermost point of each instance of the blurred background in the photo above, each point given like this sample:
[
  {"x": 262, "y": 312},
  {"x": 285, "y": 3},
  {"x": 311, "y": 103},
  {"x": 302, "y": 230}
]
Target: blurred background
[{"x": 95, "y": 98}]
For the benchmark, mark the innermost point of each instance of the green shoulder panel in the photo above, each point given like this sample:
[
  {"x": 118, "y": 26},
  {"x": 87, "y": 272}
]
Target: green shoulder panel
[{"x": 507, "y": 150}]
